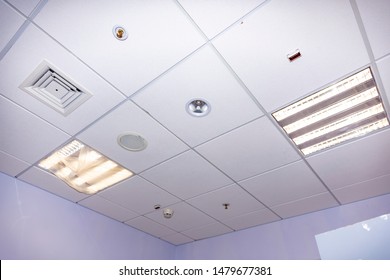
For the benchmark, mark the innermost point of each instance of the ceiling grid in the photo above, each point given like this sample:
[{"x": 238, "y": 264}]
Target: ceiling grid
[{"x": 228, "y": 170}]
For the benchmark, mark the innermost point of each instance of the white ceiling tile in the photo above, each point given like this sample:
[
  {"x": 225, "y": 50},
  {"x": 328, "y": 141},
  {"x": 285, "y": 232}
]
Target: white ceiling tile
[
  {"x": 24, "y": 135},
  {"x": 186, "y": 175},
  {"x": 177, "y": 239},
  {"x": 249, "y": 150},
  {"x": 255, "y": 218},
  {"x": 26, "y": 7},
  {"x": 108, "y": 208},
  {"x": 129, "y": 118},
  {"x": 306, "y": 205},
  {"x": 11, "y": 165},
  {"x": 160, "y": 35},
  {"x": 384, "y": 71},
  {"x": 376, "y": 20},
  {"x": 361, "y": 160},
  {"x": 184, "y": 217},
  {"x": 214, "y": 16},
  {"x": 257, "y": 49},
  {"x": 51, "y": 183},
  {"x": 149, "y": 226},
  {"x": 138, "y": 195},
  {"x": 207, "y": 231},
  {"x": 203, "y": 75},
  {"x": 363, "y": 190},
  {"x": 31, "y": 49},
  {"x": 288, "y": 183},
  {"x": 11, "y": 21},
  {"x": 240, "y": 202}
]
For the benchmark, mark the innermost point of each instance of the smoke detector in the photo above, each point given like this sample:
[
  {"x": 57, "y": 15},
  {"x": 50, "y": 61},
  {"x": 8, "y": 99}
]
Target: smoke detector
[
  {"x": 54, "y": 89},
  {"x": 168, "y": 213}
]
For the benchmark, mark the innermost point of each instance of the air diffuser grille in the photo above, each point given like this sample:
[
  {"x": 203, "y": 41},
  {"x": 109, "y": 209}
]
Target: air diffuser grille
[{"x": 52, "y": 88}]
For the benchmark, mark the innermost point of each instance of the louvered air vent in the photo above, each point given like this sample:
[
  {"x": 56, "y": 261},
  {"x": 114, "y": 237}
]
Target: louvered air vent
[{"x": 54, "y": 89}]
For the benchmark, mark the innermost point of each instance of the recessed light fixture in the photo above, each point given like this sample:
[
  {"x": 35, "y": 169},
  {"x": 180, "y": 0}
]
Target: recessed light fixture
[
  {"x": 83, "y": 168},
  {"x": 132, "y": 142},
  {"x": 198, "y": 107},
  {"x": 119, "y": 32},
  {"x": 348, "y": 109}
]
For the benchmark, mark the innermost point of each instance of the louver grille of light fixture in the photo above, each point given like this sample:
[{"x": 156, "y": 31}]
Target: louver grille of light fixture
[
  {"x": 345, "y": 110},
  {"x": 54, "y": 89},
  {"x": 84, "y": 169}
]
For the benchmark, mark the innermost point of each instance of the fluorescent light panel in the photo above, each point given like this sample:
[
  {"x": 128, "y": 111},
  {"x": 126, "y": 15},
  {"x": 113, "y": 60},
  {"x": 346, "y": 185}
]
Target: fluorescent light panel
[
  {"x": 84, "y": 169},
  {"x": 348, "y": 109}
]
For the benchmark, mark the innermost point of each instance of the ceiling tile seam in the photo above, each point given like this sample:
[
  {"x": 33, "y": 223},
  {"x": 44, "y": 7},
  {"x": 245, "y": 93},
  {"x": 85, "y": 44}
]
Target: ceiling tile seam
[
  {"x": 8, "y": 154},
  {"x": 23, "y": 27},
  {"x": 362, "y": 182},
  {"x": 370, "y": 52},
  {"x": 79, "y": 59},
  {"x": 381, "y": 87},
  {"x": 302, "y": 199}
]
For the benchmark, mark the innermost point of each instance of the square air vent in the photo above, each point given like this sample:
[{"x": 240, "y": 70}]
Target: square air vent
[{"x": 54, "y": 89}]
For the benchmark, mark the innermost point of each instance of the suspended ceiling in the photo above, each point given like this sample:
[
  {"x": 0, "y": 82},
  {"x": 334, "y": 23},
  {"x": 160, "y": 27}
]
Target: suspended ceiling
[{"x": 232, "y": 54}]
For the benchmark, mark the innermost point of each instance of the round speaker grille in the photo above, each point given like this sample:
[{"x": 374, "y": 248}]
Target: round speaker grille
[{"x": 132, "y": 142}]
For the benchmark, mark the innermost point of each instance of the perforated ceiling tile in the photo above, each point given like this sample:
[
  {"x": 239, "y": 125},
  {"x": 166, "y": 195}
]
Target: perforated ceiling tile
[
  {"x": 159, "y": 35},
  {"x": 377, "y": 24},
  {"x": 177, "y": 239},
  {"x": 150, "y": 226},
  {"x": 103, "y": 136},
  {"x": 226, "y": 203},
  {"x": 290, "y": 182},
  {"x": 29, "y": 140},
  {"x": 207, "y": 231},
  {"x": 186, "y": 176},
  {"x": 30, "y": 50},
  {"x": 249, "y": 150},
  {"x": 355, "y": 162},
  {"x": 255, "y": 218},
  {"x": 108, "y": 208},
  {"x": 184, "y": 217},
  {"x": 11, "y": 21},
  {"x": 138, "y": 195},
  {"x": 214, "y": 16},
  {"x": 50, "y": 183},
  {"x": 11, "y": 165},
  {"x": 203, "y": 76},
  {"x": 257, "y": 50}
]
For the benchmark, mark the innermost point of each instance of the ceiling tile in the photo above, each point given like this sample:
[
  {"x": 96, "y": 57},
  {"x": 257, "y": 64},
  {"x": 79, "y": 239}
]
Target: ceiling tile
[
  {"x": 363, "y": 190},
  {"x": 186, "y": 175},
  {"x": 11, "y": 21},
  {"x": 288, "y": 183},
  {"x": 240, "y": 202},
  {"x": 22, "y": 130},
  {"x": 207, "y": 231},
  {"x": 184, "y": 217},
  {"x": 204, "y": 76},
  {"x": 108, "y": 208},
  {"x": 31, "y": 49},
  {"x": 26, "y": 7},
  {"x": 51, "y": 183},
  {"x": 358, "y": 161},
  {"x": 249, "y": 150},
  {"x": 138, "y": 195},
  {"x": 129, "y": 118},
  {"x": 149, "y": 226},
  {"x": 255, "y": 218},
  {"x": 214, "y": 16},
  {"x": 11, "y": 165},
  {"x": 376, "y": 20},
  {"x": 257, "y": 49},
  {"x": 177, "y": 239},
  {"x": 306, "y": 205},
  {"x": 160, "y": 35},
  {"x": 384, "y": 71}
]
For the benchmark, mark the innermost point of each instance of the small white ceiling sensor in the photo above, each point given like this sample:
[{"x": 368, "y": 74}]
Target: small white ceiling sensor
[
  {"x": 198, "y": 107},
  {"x": 132, "y": 142},
  {"x": 168, "y": 213},
  {"x": 119, "y": 32}
]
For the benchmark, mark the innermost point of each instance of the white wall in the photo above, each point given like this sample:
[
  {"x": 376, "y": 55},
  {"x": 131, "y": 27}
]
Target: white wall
[{"x": 35, "y": 224}]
